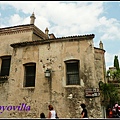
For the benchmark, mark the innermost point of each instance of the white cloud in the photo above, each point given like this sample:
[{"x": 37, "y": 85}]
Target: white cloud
[
  {"x": 110, "y": 28},
  {"x": 77, "y": 15},
  {"x": 15, "y": 19},
  {"x": 109, "y": 58},
  {"x": 66, "y": 18}
]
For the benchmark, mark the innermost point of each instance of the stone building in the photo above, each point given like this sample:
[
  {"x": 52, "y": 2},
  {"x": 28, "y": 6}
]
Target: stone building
[{"x": 75, "y": 67}]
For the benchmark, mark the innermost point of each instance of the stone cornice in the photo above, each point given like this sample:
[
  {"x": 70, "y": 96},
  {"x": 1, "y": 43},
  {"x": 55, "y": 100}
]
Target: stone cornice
[
  {"x": 37, "y": 31},
  {"x": 23, "y": 28},
  {"x": 47, "y": 41},
  {"x": 99, "y": 49}
]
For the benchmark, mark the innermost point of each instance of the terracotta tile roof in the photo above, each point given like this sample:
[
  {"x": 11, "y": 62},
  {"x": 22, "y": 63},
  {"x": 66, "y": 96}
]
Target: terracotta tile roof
[{"x": 60, "y": 39}]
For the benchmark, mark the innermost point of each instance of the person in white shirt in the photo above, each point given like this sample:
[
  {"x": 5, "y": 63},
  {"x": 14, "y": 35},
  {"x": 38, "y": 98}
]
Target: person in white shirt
[{"x": 52, "y": 112}]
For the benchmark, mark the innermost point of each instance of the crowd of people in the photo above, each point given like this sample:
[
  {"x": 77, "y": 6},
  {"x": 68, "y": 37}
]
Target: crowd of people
[
  {"x": 114, "y": 112},
  {"x": 52, "y": 114}
]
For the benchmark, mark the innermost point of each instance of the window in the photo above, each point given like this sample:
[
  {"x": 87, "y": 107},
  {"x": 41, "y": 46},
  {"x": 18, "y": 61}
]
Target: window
[
  {"x": 30, "y": 71},
  {"x": 72, "y": 72},
  {"x": 5, "y": 66}
]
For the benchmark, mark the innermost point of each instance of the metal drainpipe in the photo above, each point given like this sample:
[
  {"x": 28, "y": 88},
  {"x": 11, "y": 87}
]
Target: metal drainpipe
[{"x": 50, "y": 88}]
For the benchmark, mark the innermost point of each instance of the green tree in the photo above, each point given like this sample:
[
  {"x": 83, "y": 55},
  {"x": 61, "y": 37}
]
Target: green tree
[
  {"x": 116, "y": 62},
  {"x": 109, "y": 94},
  {"x": 114, "y": 74}
]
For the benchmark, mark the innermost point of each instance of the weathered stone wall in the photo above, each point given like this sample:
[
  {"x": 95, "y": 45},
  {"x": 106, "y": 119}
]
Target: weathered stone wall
[
  {"x": 4, "y": 88},
  {"x": 100, "y": 65},
  {"x": 65, "y": 99},
  {"x": 35, "y": 37},
  {"x": 7, "y": 39},
  {"x": 53, "y": 56},
  {"x": 73, "y": 103}
]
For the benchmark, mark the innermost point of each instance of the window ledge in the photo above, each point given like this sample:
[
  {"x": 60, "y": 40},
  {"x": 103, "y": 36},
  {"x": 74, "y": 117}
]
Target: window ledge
[
  {"x": 72, "y": 86},
  {"x": 28, "y": 88}
]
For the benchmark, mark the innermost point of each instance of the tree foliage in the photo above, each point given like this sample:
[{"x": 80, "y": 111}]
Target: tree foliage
[
  {"x": 114, "y": 74},
  {"x": 109, "y": 94},
  {"x": 116, "y": 62}
]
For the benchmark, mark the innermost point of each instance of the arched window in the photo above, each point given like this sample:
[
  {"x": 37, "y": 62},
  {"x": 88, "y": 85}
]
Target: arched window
[
  {"x": 72, "y": 72},
  {"x": 30, "y": 72}
]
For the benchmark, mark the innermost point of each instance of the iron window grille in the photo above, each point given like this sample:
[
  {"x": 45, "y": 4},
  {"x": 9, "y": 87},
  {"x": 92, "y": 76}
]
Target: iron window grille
[
  {"x": 30, "y": 72},
  {"x": 72, "y": 72},
  {"x": 5, "y": 68}
]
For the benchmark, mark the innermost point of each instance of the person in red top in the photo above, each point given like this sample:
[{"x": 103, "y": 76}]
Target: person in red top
[{"x": 110, "y": 113}]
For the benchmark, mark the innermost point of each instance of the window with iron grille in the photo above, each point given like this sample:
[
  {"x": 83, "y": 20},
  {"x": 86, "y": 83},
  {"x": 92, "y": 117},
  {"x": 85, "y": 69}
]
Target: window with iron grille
[
  {"x": 72, "y": 72},
  {"x": 5, "y": 66},
  {"x": 30, "y": 72}
]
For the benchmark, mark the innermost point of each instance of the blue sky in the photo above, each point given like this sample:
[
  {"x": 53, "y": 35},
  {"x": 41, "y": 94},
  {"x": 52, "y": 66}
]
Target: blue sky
[{"x": 68, "y": 18}]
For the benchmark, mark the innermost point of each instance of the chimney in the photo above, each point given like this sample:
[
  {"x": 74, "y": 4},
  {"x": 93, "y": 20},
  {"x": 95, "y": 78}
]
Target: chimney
[
  {"x": 101, "y": 45},
  {"x": 52, "y": 36},
  {"x": 32, "y": 18},
  {"x": 46, "y": 31}
]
